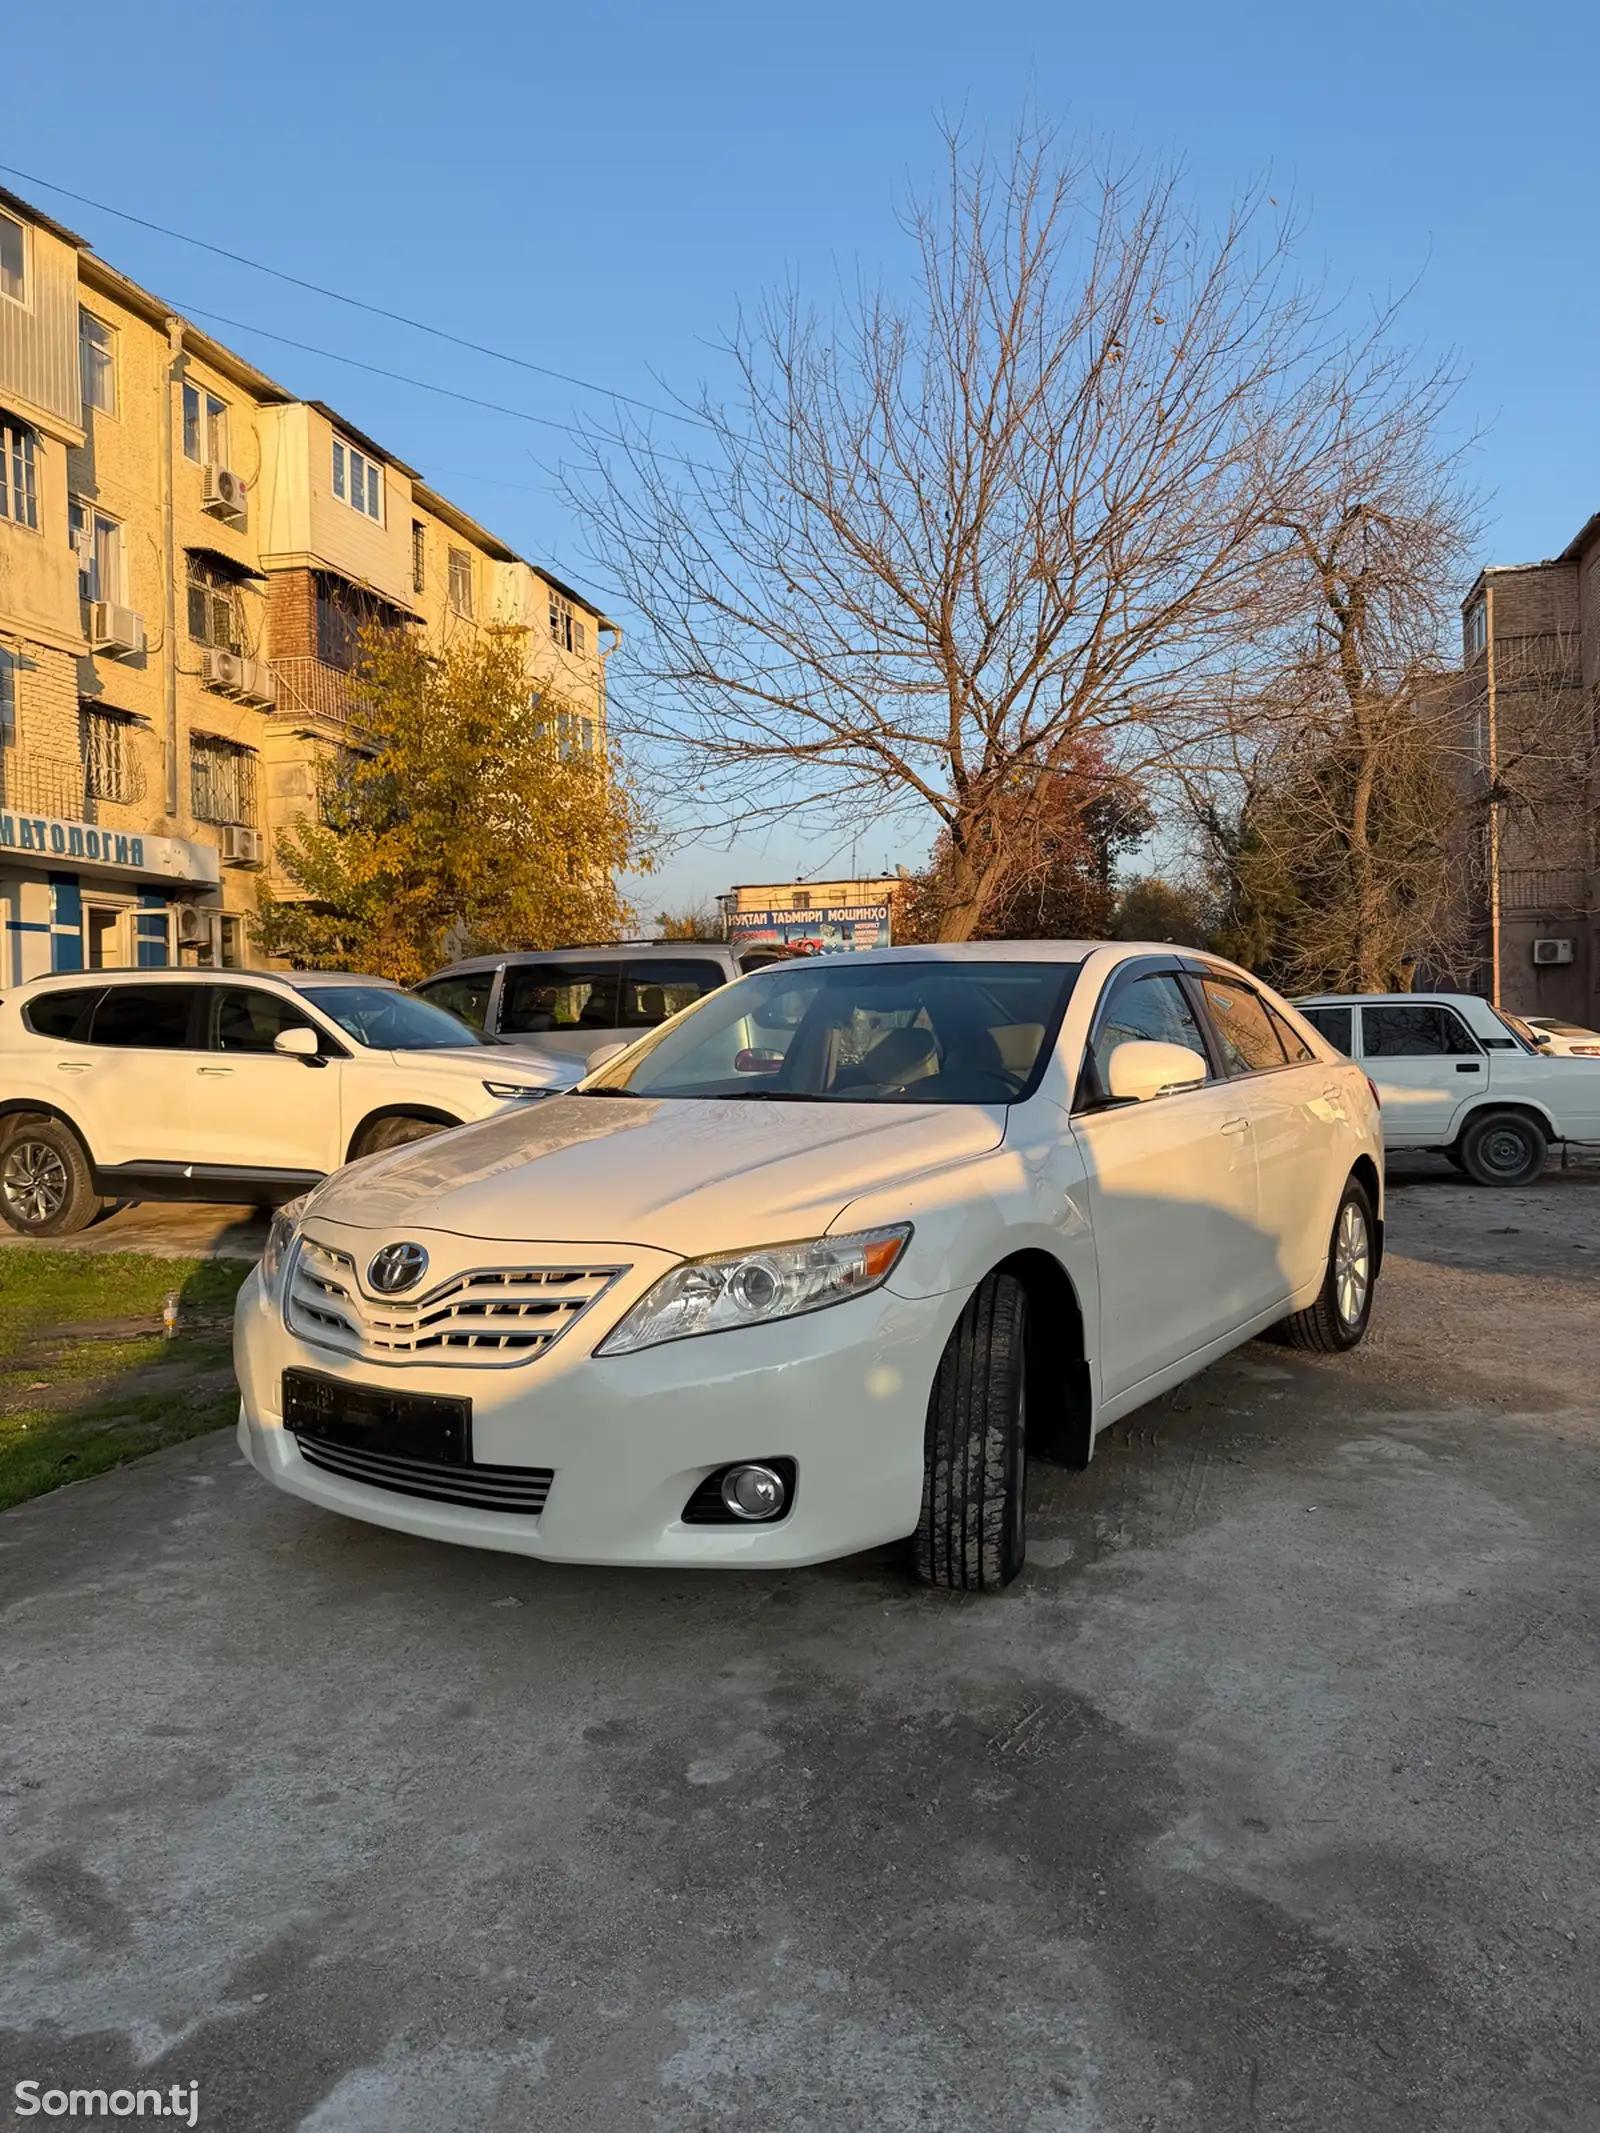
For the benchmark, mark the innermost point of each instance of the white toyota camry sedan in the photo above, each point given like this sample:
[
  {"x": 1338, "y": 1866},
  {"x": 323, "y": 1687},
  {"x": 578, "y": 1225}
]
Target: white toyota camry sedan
[{"x": 818, "y": 1264}]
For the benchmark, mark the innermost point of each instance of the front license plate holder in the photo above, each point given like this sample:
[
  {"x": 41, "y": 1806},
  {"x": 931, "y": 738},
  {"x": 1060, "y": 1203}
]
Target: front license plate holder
[{"x": 370, "y": 1418}]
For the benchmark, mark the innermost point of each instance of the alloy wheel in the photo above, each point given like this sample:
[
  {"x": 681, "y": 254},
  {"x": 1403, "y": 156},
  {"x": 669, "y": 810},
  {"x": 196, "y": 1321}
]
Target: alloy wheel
[
  {"x": 35, "y": 1182},
  {"x": 1352, "y": 1264}
]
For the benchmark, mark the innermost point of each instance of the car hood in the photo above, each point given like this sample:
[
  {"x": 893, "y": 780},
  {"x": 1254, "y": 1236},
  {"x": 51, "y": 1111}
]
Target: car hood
[
  {"x": 493, "y": 1062},
  {"x": 679, "y": 1176}
]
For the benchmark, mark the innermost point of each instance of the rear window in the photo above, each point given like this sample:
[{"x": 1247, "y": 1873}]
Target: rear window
[
  {"x": 62, "y": 1015},
  {"x": 146, "y": 1018},
  {"x": 1334, "y": 1023}
]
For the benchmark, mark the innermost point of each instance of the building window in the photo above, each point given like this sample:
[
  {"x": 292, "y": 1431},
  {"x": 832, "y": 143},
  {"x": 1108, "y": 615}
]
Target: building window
[
  {"x": 800, "y": 900},
  {"x": 205, "y": 428},
  {"x": 357, "y": 480},
  {"x": 98, "y": 541},
  {"x": 343, "y": 612},
  {"x": 213, "y": 607},
  {"x": 13, "y": 259},
  {"x": 222, "y": 780},
  {"x": 108, "y": 765},
  {"x": 18, "y": 495},
  {"x": 461, "y": 583},
  {"x": 97, "y": 362},
  {"x": 566, "y": 625},
  {"x": 8, "y": 695},
  {"x": 419, "y": 555},
  {"x": 1476, "y": 627}
]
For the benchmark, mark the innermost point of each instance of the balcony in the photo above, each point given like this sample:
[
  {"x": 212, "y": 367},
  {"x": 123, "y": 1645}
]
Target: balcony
[{"x": 308, "y": 688}]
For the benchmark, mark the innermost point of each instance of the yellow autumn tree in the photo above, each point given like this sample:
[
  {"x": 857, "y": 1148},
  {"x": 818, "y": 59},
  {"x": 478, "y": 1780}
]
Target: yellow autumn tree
[{"x": 461, "y": 819}]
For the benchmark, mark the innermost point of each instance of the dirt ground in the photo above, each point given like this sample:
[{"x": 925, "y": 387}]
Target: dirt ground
[{"x": 1266, "y": 1800}]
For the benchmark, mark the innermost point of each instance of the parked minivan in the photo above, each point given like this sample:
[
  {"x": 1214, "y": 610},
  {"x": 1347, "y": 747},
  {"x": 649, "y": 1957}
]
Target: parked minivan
[{"x": 571, "y": 1001}]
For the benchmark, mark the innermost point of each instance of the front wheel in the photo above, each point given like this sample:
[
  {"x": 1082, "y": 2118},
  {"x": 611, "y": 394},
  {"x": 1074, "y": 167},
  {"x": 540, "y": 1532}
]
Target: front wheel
[
  {"x": 1503, "y": 1148},
  {"x": 970, "y": 1537},
  {"x": 386, "y": 1133},
  {"x": 1338, "y": 1319},
  {"x": 46, "y": 1187}
]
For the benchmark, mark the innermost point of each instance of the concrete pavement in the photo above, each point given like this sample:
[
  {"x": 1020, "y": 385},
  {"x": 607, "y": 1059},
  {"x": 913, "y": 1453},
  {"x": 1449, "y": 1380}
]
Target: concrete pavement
[{"x": 1266, "y": 1800}]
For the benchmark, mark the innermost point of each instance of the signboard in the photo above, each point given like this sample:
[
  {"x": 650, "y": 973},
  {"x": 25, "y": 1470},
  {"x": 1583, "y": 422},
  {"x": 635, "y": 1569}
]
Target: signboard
[
  {"x": 77, "y": 845},
  {"x": 831, "y": 931}
]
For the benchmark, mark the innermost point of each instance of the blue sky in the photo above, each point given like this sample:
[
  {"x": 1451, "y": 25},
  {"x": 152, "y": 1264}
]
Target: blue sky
[{"x": 597, "y": 188}]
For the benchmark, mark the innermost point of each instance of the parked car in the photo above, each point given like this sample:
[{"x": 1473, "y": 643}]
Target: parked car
[
  {"x": 565, "y": 1003},
  {"x": 1566, "y": 1040},
  {"x": 814, "y": 1267},
  {"x": 1457, "y": 1078},
  {"x": 232, "y": 1086}
]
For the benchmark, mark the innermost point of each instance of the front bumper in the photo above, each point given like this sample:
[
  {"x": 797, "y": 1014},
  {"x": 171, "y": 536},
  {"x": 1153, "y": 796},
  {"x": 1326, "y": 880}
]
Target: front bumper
[{"x": 843, "y": 1392}]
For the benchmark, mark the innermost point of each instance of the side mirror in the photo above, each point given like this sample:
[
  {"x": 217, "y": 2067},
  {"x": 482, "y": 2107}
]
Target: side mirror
[
  {"x": 1141, "y": 1070},
  {"x": 297, "y": 1043},
  {"x": 601, "y": 1054}
]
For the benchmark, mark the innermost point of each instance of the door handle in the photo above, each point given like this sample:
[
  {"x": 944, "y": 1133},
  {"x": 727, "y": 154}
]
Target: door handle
[
  {"x": 74, "y": 1066},
  {"x": 1236, "y": 1125},
  {"x": 1468, "y": 1066},
  {"x": 213, "y": 1070}
]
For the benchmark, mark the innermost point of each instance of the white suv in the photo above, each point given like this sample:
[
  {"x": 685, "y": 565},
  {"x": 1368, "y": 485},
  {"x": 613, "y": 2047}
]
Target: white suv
[{"x": 238, "y": 1086}]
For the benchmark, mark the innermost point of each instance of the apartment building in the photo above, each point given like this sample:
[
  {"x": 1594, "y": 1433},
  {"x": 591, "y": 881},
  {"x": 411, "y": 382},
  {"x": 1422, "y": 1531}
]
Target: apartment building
[
  {"x": 1530, "y": 698},
  {"x": 188, "y": 554}
]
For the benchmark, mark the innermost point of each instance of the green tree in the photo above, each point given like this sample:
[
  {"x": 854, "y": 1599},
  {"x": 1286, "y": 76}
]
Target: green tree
[
  {"x": 1151, "y": 909},
  {"x": 457, "y": 824}
]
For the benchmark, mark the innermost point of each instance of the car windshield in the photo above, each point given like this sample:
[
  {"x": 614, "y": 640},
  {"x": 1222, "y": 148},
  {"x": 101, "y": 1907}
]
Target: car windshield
[
  {"x": 391, "y": 1021},
  {"x": 917, "y": 1032}
]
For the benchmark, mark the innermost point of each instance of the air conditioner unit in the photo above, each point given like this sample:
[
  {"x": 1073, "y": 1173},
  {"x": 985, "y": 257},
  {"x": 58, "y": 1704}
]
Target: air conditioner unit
[
  {"x": 114, "y": 629},
  {"x": 222, "y": 671},
  {"x": 258, "y": 685},
  {"x": 1553, "y": 951},
  {"x": 242, "y": 847},
  {"x": 196, "y": 926},
  {"x": 224, "y": 495}
]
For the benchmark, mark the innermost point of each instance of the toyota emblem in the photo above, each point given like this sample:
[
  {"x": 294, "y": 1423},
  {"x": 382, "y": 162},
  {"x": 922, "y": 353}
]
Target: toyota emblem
[{"x": 397, "y": 1267}]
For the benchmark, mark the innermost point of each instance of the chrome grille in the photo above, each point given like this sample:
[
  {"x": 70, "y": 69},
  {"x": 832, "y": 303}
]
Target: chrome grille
[
  {"x": 494, "y": 1316},
  {"x": 481, "y": 1488}
]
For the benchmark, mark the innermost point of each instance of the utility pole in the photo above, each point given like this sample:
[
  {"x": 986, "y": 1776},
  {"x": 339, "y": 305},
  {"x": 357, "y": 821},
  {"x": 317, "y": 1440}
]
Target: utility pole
[{"x": 1493, "y": 767}]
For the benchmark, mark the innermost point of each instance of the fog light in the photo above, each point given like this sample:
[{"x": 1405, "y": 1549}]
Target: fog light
[{"x": 753, "y": 1492}]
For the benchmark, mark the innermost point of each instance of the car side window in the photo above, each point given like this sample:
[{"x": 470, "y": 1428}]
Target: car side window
[
  {"x": 1250, "y": 1043},
  {"x": 1336, "y": 1024},
  {"x": 466, "y": 996},
  {"x": 248, "y": 1020},
  {"x": 653, "y": 991},
  {"x": 1300, "y": 1053},
  {"x": 541, "y": 997},
  {"x": 149, "y": 1018},
  {"x": 1426, "y": 1031},
  {"x": 1151, "y": 1010},
  {"x": 62, "y": 1015}
]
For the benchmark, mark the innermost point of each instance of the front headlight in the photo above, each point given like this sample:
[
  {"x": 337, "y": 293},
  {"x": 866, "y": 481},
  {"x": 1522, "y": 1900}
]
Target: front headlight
[
  {"x": 752, "y": 1288},
  {"x": 280, "y": 1240},
  {"x": 508, "y": 1089}
]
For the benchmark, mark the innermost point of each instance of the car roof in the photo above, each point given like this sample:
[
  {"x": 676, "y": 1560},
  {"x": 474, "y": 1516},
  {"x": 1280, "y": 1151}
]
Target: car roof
[
  {"x": 675, "y": 950},
  {"x": 297, "y": 980}
]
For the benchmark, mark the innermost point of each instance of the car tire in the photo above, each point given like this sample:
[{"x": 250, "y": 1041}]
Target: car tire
[
  {"x": 46, "y": 1184},
  {"x": 1502, "y": 1148},
  {"x": 394, "y": 1133},
  {"x": 971, "y": 1535},
  {"x": 1339, "y": 1318}
]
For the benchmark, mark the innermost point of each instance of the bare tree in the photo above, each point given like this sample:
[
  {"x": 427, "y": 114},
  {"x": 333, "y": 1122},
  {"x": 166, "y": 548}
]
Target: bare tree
[{"x": 931, "y": 547}]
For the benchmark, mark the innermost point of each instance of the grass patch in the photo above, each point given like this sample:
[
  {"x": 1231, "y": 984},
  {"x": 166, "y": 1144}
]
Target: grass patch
[{"x": 88, "y": 1379}]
